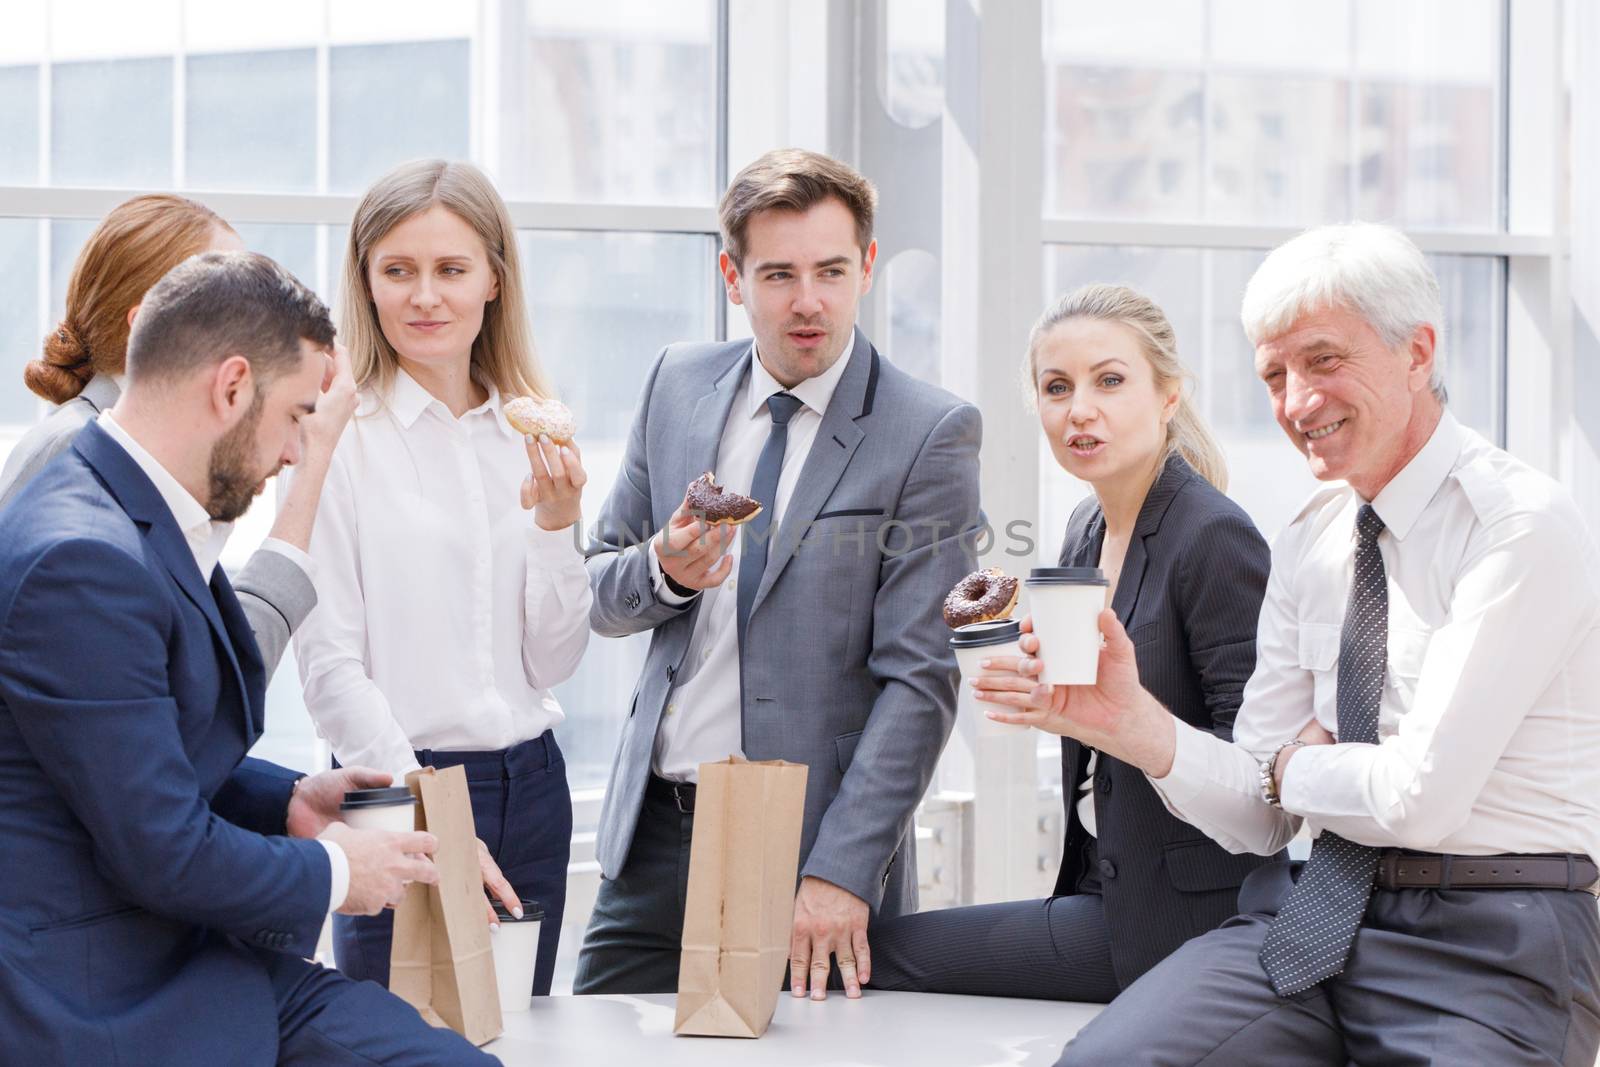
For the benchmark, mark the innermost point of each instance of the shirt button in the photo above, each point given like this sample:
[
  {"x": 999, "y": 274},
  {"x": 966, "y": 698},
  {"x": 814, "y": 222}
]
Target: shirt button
[
  {"x": 672, "y": 709},
  {"x": 733, "y": 583},
  {"x": 1108, "y": 869},
  {"x": 1103, "y": 783},
  {"x": 706, "y": 654}
]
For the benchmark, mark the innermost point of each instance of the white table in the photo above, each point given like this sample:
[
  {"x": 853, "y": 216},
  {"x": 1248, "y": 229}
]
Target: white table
[{"x": 926, "y": 1029}]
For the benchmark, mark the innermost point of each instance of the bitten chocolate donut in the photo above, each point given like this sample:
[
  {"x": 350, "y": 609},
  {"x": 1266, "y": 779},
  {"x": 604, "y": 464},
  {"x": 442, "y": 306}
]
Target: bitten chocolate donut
[
  {"x": 981, "y": 596},
  {"x": 718, "y": 506},
  {"x": 530, "y": 416}
]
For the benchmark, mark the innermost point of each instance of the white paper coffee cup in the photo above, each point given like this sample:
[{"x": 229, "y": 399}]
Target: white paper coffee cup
[
  {"x": 1066, "y": 603},
  {"x": 392, "y": 808},
  {"x": 973, "y": 644},
  {"x": 516, "y": 954}
]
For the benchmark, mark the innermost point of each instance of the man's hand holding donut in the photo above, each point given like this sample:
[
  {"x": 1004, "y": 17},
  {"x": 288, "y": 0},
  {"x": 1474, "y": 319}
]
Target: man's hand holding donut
[{"x": 693, "y": 552}]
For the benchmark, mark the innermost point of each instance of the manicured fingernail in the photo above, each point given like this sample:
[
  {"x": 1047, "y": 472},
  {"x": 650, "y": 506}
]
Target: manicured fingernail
[
  {"x": 544, "y": 439},
  {"x": 494, "y": 926},
  {"x": 517, "y": 911},
  {"x": 986, "y": 663}
]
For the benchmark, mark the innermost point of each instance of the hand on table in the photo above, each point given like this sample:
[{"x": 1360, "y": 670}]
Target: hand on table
[
  {"x": 553, "y": 490},
  {"x": 828, "y": 921},
  {"x": 382, "y": 863},
  {"x": 317, "y": 797}
]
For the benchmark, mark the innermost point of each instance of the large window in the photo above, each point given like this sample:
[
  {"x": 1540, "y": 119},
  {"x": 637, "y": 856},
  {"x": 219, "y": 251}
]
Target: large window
[{"x": 1179, "y": 131}]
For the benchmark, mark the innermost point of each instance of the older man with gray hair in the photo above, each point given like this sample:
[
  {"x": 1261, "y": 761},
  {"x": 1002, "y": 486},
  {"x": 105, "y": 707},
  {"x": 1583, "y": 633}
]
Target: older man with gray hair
[{"x": 1426, "y": 700}]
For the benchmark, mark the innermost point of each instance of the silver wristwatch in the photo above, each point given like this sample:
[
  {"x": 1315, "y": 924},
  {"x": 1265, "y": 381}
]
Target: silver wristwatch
[{"x": 1269, "y": 788}]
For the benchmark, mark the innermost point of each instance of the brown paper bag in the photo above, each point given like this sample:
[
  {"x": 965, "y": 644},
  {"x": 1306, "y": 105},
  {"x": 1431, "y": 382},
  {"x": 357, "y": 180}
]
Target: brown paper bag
[
  {"x": 440, "y": 962},
  {"x": 740, "y": 909}
]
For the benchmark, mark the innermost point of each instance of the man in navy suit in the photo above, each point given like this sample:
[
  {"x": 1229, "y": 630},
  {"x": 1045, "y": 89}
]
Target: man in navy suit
[{"x": 162, "y": 891}]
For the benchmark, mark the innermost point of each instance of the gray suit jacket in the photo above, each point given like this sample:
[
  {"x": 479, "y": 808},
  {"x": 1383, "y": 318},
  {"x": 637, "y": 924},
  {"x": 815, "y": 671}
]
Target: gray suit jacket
[
  {"x": 845, "y": 663},
  {"x": 275, "y": 593}
]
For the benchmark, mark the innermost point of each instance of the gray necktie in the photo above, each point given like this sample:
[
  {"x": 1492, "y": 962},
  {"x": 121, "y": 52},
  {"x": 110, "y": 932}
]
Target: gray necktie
[
  {"x": 1310, "y": 938},
  {"x": 753, "y": 554}
]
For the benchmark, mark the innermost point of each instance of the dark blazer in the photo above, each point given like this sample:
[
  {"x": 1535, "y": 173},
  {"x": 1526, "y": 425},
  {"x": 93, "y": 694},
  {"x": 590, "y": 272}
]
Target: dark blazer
[
  {"x": 1189, "y": 596},
  {"x": 140, "y": 897}
]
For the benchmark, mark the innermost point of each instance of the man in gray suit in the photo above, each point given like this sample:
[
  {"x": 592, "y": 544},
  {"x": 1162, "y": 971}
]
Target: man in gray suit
[{"x": 816, "y": 637}]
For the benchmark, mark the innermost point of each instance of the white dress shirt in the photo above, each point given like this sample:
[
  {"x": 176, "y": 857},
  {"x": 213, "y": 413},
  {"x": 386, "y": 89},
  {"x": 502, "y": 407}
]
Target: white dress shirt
[
  {"x": 701, "y": 723},
  {"x": 206, "y": 539},
  {"x": 444, "y": 614},
  {"x": 1489, "y": 717}
]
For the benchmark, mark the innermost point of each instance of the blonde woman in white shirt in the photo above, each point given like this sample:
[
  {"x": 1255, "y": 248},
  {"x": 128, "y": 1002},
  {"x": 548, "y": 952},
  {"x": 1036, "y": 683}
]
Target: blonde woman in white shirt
[{"x": 452, "y": 594}]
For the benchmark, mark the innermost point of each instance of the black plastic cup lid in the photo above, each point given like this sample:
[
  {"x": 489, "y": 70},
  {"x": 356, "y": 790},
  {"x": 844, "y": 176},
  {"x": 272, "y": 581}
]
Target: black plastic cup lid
[
  {"x": 984, "y": 634},
  {"x": 531, "y": 911},
  {"x": 377, "y": 798},
  {"x": 1066, "y": 576}
]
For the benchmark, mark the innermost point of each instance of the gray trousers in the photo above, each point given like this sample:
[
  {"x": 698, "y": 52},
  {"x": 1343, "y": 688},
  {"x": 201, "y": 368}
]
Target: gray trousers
[
  {"x": 1506, "y": 977},
  {"x": 635, "y": 933}
]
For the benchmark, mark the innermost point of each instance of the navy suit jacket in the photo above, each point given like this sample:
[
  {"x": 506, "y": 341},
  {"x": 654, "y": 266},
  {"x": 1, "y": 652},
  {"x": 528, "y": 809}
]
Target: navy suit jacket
[
  {"x": 141, "y": 889},
  {"x": 1189, "y": 595}
]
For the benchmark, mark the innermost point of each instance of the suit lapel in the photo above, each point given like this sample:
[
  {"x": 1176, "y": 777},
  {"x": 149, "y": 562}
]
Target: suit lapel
[
  {"x": 707, "y": 423},
  {"x": 140, "y": 499},
  {"x": 1173, "y": 476},
  {"x": 831, "y": 451},
  {"x": 242, "y": 642}
]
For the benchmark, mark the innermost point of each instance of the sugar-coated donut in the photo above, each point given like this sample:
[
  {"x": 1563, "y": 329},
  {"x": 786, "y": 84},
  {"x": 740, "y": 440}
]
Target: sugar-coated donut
[
  {"x": 981, "y": 596},
  {"x": 717, "y": 505},
  {"x": 550, "y": 417}
]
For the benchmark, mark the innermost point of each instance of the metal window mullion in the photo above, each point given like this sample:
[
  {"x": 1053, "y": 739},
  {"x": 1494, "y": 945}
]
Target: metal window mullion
[
  {"x": 26, "y": 201},
  {"x": 46, "y": 147},
  {"x": 720, "y": 166},
  {"x": 1230, "y": 235},
  {"x": 180, "y": 101}
]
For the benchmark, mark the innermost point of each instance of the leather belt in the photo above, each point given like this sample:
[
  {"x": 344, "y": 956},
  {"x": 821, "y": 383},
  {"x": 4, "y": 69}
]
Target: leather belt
[
  {"x": 679, "y": 793},
  {"x": 1399, "y": 869}
]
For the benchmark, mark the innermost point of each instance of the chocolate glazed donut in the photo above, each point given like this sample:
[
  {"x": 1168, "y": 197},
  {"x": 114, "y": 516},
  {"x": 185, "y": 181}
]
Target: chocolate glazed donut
[
  {"x": 718, "y": 506},
  {"x": 981, "y": 596}
]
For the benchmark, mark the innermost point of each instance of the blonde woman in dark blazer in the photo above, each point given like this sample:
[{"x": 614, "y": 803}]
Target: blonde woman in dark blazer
[{"x": 1187, "y": 573}]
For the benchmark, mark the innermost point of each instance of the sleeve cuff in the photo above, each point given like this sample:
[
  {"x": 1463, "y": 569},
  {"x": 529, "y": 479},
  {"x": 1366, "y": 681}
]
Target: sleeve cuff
[
  {"x": 1313, "y": 784},
  {"x": 658, "y": 581},
  {"x": 554, "y": 548},
  {"x": 339, "y": 870},
  {"x": 294, "y": 555},
  {"x": 1190, "y": 766}
]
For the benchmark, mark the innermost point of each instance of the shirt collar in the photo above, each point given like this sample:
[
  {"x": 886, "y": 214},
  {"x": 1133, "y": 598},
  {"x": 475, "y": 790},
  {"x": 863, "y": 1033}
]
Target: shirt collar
[
  {"x": 1400, "y": 503},
  {"x": 205, "y": 537},
  {"x": 408, "y": 400},
  {"x": 814, "y": 393}
]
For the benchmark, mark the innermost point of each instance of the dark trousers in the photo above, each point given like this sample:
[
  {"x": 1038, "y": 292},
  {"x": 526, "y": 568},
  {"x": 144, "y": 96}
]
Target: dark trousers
[
  {"x": 522, "y": 811},
  {"x": 327, "y": 1020},
  {"x": 1053, "y": 949},
  {"x": 635, "y": 934},
  {"x": 1500, "y": 976}
]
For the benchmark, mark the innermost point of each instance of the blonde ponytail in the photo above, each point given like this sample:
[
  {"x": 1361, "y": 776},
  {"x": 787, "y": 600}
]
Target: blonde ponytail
[{"x": 1187, "y": 433}]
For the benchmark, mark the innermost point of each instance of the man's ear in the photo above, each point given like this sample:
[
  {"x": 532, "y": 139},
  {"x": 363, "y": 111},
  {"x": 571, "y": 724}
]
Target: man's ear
[
  {"x": 233, "y": 388},
  {"x": 730, "y": 277},
  {"x": 868, "y": 261},
  {"x": 1421, "y": 356}
]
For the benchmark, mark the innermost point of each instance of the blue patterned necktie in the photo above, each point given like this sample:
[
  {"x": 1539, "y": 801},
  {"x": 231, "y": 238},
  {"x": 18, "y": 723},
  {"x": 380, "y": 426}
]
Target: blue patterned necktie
[
  {"x": 764, "y": 488},
  {"x": 1310, "y": 938}
]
